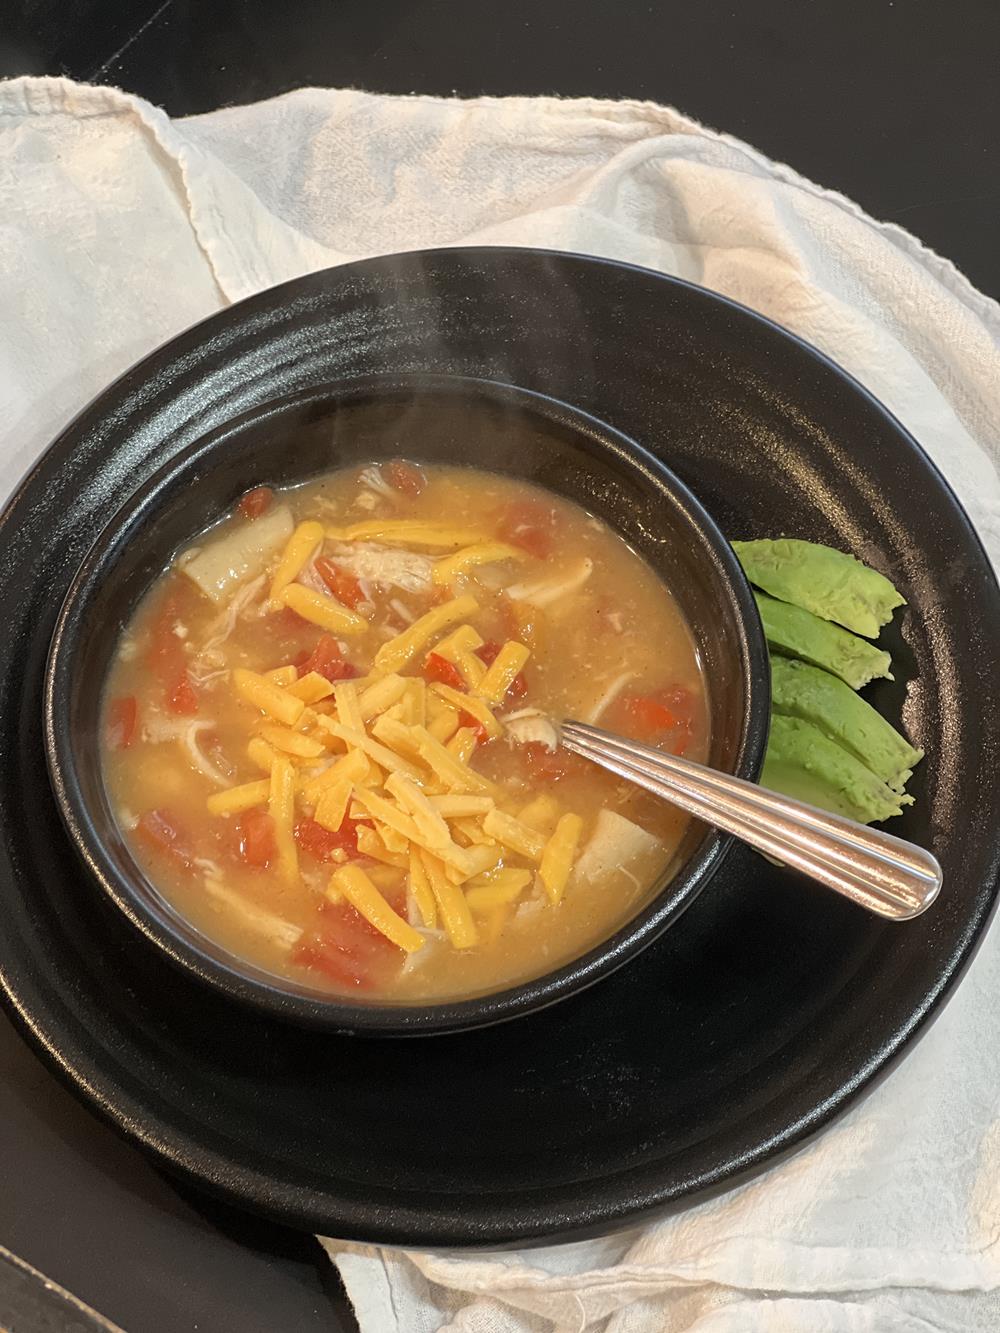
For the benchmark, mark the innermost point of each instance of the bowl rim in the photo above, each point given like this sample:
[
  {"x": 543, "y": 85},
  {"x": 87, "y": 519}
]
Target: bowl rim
[{"x": 264, "y": 990}]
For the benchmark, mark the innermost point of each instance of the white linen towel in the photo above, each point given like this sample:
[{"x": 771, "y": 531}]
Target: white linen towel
[{"x": 120, "y": 227}]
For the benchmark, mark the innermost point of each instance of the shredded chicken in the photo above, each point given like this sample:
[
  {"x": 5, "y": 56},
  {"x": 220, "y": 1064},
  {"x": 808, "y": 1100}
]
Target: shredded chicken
[
  {"x": 530, "y": 726},
  {"x": 384, "y": 566},
  {"x": 281, "y": 933},
  {"x": 373, "y": 479},
  {"x": 608, "y": 696},
  {"x": 614, "y": 843},
  {"x": 402, "y": 610},
  {"x": 209, "y": 660},
  {"x": 160, "y": 729},
  {"x": 546, "y": 591}
]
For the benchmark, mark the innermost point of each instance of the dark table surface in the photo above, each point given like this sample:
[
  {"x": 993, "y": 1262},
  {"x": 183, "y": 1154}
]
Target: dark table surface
[{"x": 896, "y": 103}]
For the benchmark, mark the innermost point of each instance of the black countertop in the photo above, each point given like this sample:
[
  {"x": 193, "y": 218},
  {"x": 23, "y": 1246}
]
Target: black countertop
[{"x": 896, "y": 103}]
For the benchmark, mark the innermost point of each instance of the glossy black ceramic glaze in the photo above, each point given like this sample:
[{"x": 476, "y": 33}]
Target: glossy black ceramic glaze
[
  {"x": 759, "y": 1016},
  {"x": 432, "y": 420}
]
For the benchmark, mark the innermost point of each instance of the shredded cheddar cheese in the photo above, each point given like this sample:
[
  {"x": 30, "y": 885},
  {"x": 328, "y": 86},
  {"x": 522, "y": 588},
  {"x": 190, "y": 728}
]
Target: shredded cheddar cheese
[
  {"x": 395, "y": 654},
  {"x": 319, "y": 608},
  {"x": 302, "y": 546},
  {"x": 450, "y": 567},
  {"x": 389, "y": 762},
  {"x": 404, "y": 532}
]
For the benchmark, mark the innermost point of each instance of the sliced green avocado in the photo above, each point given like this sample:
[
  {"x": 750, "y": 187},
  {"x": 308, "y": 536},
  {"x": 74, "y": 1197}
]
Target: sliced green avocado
[
  {"x": 804, "y": 763},
  {"x": 815, "y": 696},
  {"x": 831, "y": 584},
  {"x": 797, "y": 633}
]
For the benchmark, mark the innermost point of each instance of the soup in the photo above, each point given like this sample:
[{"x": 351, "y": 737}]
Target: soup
[{"x": 330, "y": 731}]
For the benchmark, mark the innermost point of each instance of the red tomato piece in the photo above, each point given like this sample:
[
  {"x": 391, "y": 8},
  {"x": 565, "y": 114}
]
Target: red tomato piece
[
  {"x": 315, "y": 840},
  {"x": 341, "y": 582},
  {"x": 347, "y": 949},
  {"x": 326, "y": 659},
  {"x": 181, "y": 696},
  {"x": 167, "y": 660},
  {"x": 530, "y": 525},
  {"x": 489, "y": 653},
  {"x": 255, "y": 502},
  {"x": 440, "y": 669},
  {"x": 120, "y": 722},
  {"x": 255, "y": 840},
  {"x": 647, "y": 713},
  {"x": 475, "y": 726},
  {"x": 161, "y": 833},
  {"x": 404, "y": 477}
]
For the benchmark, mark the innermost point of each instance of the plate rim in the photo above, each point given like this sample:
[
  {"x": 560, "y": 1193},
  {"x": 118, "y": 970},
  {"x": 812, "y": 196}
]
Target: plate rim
[{"x": 438, "y": 1230}]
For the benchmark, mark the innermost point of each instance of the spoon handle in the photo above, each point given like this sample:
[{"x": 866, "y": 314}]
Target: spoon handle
[{"x": 884, "y": 874}]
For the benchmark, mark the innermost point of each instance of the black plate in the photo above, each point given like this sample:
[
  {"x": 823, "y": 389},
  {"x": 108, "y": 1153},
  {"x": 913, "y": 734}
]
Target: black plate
[{"x": 769, "y": 1006}]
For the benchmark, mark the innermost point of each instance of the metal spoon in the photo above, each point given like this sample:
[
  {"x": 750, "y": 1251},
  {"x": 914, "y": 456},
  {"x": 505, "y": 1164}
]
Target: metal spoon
[{"x": 886, "y": 875}]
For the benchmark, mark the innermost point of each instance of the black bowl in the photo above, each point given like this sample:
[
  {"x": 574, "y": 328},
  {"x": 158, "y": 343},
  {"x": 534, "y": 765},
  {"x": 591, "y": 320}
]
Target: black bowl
[{"x": 432, "y": 419}]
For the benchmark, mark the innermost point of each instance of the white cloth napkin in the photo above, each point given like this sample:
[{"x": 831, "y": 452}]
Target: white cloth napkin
[{"x": 119, "y": 227}]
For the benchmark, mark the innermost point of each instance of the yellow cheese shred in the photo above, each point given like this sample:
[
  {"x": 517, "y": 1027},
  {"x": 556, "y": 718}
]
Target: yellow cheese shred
[
  {"x": 302, "y": 545},
  {"x": 380, "y": 696},
  {"x": 345, "y": 692},
  {"x": 260, "y": 753},
  {"x": 269, "y": 698},
  {"x": 451, "y": 903},
  {"x": 465, "y": 703},
  {"x": 350, "y": 768},
  {"x": 462, "y": 745},
  {"x": 237, "y": 799},
  {"x": 420, "y": 887},
  {"x": 515, "y": 835},
  {"x": 502, "y": 672},
  {"x": 405, "y": 532},
  {"x": 459, "y": 648},
  {"x": 503, "y": 888},
  {"x": 352, "y": 883},
  {"x": 382, "y": 755},
  {"x": 290, "y": 742},
  {"x": 450, "y": 567},
  {"x": 395, "y": 654},
  {"x": 311, "y": 688},
  {"x": 319, "y": 608},
  {"x": 281, "y": 807},
  {"x": 557, "y": 858},
  {"x": 332, "y": 805}
]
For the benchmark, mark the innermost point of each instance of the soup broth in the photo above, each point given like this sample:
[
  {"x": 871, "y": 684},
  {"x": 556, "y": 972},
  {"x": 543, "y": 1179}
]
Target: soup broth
[{"x": 330, "y": 731}]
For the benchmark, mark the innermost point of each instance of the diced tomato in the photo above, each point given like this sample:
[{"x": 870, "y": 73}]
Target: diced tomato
[
  {"x": 488, "y": 653},
  {"x": 647, "y": 713},
  {"x": 544, "y": 765},
  {"x": 326, "y": 659},
  {"x": 161, "y": 833},
  {"x": 475, "y": 726},
  {"x": 341, "y": 582},
  {"x": 120, "y": 722},
  {"x": 530, "y": 525},
  {"x": 255, "y": 840},
  {"x": 315, "y": 840},
  {"x": 345, "y": 948},
  {"x": 255, "y": 502},
  {"x": 404, "y": 477},
  {"x": 168, "y": 661},
  {"x": 181, "y": 696},
  {"x": 440, "y": 669},
  {"x": 665, "y": 717}
]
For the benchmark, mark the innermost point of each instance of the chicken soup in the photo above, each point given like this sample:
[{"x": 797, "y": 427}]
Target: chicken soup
[{"x": 330, "y": 731}]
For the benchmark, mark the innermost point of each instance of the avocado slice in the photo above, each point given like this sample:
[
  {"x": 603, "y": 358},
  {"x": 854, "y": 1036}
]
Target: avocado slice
[
  {"x": 804, "y": 763},
  {"x": 798, "y": 633},
  {"x": 802, "y": 691},
  {"x": 831, "y": 584}
]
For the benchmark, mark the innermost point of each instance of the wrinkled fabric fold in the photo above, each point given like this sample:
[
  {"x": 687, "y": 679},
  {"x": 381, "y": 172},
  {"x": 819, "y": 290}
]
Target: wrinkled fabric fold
[{"x": 120, "y": 227}]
